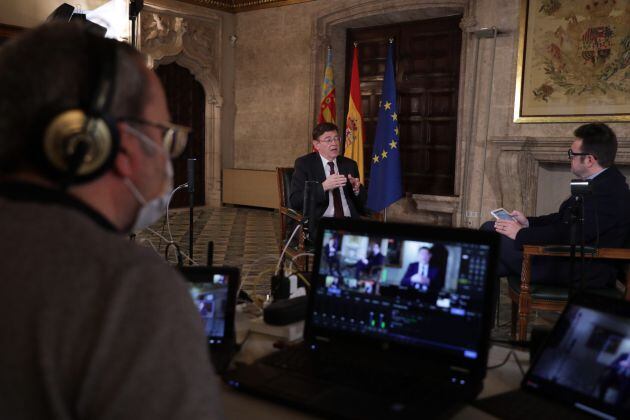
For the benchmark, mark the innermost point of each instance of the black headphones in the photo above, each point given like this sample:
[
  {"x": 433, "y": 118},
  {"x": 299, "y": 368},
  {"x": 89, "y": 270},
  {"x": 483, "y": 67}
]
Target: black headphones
[{"x": 80, "y": 144}]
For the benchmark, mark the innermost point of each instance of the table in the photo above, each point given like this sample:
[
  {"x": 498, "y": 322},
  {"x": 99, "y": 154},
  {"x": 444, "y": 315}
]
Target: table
[{"x": 239, "y": 405}]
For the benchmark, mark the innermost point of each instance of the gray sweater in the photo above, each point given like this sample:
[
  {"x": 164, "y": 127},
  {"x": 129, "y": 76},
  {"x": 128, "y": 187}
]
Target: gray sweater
[{"x": 93, "y": 326}]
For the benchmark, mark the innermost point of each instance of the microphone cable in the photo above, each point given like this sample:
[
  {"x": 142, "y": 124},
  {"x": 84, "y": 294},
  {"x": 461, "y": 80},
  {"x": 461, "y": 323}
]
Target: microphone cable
[
  {"x": 168, "y": 205},
  {"x": 178, "y": 253},
  {"x": 183, "y": 254},
  {"x": 284, "y": 250}
]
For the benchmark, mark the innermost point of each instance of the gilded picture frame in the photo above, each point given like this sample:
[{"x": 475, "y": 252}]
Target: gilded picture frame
[{"x": 573, "y": 61}]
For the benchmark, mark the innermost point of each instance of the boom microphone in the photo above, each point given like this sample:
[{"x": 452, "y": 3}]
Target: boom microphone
[{"x": 191, "y": 175}]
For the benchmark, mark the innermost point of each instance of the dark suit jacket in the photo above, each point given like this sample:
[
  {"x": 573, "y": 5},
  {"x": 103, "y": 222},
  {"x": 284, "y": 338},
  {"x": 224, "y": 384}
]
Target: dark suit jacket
[
  {"x": 435, "y": 283},
  {"x": 310, "y": 168},
  {"x": 606, "y": 224}
]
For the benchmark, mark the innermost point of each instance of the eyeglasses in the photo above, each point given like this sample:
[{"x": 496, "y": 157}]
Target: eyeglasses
[
  {"x": 174, "y": 136},
  {"x": 572, "y": 154},
  {"x": 329, "y": 140}
]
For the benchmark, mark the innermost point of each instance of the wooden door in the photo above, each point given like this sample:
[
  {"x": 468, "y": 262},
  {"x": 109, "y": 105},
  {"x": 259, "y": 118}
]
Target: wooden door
[
  {"x": 426, "y": 61},
  {"x": 186, "y": 103}
]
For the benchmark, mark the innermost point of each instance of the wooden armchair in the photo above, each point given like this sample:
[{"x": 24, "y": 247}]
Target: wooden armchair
[
  {"x": 289, "y": 218},
  {"x": 527, "y": 297}
]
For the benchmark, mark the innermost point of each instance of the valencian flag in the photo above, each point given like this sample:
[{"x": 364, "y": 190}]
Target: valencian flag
[
  {"x": 354, "y": 120},
  {"x": 385, "y": 181},
  {"x": 328, "y": 108}
]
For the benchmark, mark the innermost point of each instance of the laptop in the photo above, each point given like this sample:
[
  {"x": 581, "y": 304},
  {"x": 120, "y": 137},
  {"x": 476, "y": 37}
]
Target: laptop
[
  {"x": 582, "y": 370},
  {"x": 384, "y": 338},
  {"x": 213, "y": 291}
]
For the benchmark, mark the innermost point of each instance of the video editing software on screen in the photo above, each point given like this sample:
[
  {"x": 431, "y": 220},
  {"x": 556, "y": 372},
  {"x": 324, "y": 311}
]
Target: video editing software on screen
[
  {"x": 211, "y": 299},
  {"x": 588, "y": 354},
  {"x": 426, "y": 293}
]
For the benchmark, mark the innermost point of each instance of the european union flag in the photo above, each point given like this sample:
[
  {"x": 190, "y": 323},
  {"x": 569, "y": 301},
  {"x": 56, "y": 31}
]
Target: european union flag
[{"x": 385, "y": 180}]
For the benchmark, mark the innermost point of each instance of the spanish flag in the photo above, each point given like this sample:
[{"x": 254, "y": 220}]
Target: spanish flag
[
  {"x": 327, "y": 109},
  {"x": 354, "y": 120}
]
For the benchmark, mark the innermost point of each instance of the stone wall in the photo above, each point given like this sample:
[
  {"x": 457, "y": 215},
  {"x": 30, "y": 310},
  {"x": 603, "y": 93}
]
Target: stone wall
[
  {"x": 268, "y": 69},
  {"x": 279, "y": 63}
]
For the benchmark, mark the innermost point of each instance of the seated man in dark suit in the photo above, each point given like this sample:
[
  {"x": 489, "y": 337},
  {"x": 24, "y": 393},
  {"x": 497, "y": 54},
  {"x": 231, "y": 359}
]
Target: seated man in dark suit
[
  {"x": 338, "y": 192},
  {"x": 375, "y": 259},
  {"x": 331, "y": 250},
  {"x": 421, "y": 275},
  {"x": 606, "y": 215}
]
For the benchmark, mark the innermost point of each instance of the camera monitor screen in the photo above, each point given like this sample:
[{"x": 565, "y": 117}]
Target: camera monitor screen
[
  {"x": 213, "y": 292},
  {"x": 417, "y": 286},
  {"x": 586, "y": 359}
]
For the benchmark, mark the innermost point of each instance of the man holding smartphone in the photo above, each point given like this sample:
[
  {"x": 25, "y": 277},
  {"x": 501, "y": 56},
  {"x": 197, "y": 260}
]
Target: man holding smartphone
[{"x": 606, "y": 215}]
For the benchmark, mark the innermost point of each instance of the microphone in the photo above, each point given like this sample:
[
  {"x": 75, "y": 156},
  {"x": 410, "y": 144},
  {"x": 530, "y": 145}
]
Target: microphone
[
  {"x": 308, "y": 207},
  {"x": 191, "y": 175},
  {"x": 581, "y": 187}
]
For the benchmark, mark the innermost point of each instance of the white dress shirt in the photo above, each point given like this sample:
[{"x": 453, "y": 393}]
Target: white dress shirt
[{"x": 330, "y": 211}]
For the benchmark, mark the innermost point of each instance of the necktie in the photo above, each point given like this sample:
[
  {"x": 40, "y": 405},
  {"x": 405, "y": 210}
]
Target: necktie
[{"x": 336, "y": 195}]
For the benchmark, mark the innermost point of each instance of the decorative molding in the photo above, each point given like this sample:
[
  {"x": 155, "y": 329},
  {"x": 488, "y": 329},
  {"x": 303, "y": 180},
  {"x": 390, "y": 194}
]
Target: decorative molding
[
  {"x": 235, "y": 6},
  {"x": 518, "y": 162},
  {"x": 170, "y": 33}
]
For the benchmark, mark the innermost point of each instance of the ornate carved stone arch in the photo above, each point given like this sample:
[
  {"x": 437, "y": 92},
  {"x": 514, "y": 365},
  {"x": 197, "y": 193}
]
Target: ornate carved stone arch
[{"x": 171, "y": 35}]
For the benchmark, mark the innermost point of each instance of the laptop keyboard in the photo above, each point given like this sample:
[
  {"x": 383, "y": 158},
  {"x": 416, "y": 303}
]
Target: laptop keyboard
[
  {"x": 295, "y": 358},
  {"x": 355, "y": 373}
]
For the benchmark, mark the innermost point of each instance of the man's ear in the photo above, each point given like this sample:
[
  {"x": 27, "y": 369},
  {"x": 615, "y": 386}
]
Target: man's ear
[
  {"x": 123, "y": 162},
  {"x": 315, "y": 145}
]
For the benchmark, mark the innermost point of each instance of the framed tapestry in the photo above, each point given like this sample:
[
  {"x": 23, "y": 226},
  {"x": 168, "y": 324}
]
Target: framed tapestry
[{"x": 573, "y": 61}]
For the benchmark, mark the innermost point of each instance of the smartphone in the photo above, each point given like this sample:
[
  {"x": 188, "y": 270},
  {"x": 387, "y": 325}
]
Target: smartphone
[{"x": 501, "y": 214}]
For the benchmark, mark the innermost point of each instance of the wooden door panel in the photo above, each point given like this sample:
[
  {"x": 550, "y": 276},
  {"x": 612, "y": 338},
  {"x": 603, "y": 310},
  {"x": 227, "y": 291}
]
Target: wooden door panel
[
  {"x": 186, "y": 103},
  {"x": 427, "y": 80},
  {"x": 441, "y": 103}
]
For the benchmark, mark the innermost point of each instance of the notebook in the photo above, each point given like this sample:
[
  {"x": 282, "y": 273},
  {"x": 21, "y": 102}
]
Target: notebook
[
  {"x": 397, "y": 326},
  {"x": 213, "y": 291},
  {"x": 583, "y": 367}
]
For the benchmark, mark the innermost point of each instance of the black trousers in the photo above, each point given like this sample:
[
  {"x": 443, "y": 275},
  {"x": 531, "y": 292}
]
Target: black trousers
[{"x": 510, "y": 258}]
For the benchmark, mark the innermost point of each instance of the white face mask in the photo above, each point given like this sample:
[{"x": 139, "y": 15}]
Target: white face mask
[{"x": 151, "y": 210}]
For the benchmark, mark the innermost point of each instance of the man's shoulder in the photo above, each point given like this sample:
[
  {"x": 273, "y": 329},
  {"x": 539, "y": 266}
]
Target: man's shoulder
[
  {"x": 611, "y": 181},
  {"x": 345, "y": 160},
  {"x": 309, "y": 157}
]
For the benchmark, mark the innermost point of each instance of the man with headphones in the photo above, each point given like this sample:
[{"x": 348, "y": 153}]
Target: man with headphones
[{"x": 91, "y": 325}]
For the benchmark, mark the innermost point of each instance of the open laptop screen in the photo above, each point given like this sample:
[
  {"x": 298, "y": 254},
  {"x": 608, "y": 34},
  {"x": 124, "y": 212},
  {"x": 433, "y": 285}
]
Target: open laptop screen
[
  {"x": 586, "y": 359},
  {"x": 407, "y": 284},
  {"x": 213, "y": 292}
]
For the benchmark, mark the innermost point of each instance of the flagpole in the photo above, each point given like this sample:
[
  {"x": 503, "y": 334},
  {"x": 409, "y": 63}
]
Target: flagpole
[
  {"x": 391, "y": 41},
  {"x": 385, "y": 186}
]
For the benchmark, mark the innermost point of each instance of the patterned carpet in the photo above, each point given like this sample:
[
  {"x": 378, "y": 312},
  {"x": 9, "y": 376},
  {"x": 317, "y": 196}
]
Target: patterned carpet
[
  {"x": 243, "y": 237},
  {"x": 248, "y": 238}
]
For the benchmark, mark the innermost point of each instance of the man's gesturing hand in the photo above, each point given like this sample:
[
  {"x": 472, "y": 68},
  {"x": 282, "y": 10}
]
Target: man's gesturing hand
[{"x": 334, "y": 181}]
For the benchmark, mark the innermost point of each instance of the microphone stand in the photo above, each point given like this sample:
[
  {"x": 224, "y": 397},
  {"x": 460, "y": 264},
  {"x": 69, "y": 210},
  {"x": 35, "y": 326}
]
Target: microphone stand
[
  {"x": 191, "y": 205},
  {"x": 576, "y": 219},
  {"x": 579, "y": 188},
  {"x": 308, "y": 209}
]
